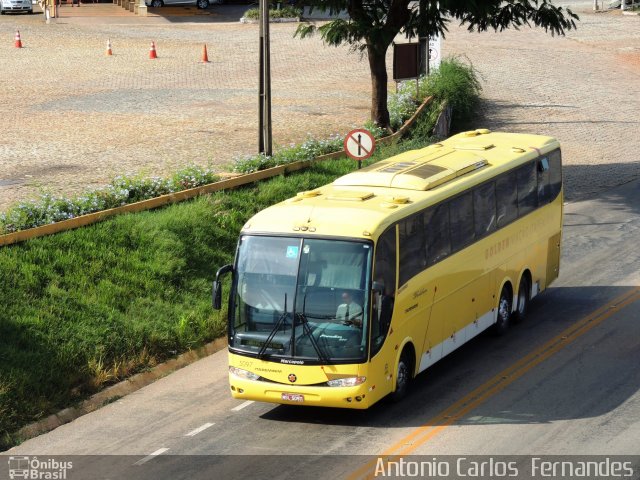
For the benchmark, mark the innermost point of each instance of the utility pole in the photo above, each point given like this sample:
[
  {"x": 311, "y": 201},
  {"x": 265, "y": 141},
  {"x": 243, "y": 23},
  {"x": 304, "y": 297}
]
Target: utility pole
[
  {"x": 264, "y": 141},
  {"x": 423, "y": 52}
]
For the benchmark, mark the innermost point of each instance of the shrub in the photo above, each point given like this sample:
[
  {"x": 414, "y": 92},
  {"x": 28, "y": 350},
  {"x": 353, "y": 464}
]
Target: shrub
[
  {"x": 121, "y": 191},
  {"x": 458, "y": 84},
  {"x": 309, "y": 149},
  {"x": 284, "y": 12}
]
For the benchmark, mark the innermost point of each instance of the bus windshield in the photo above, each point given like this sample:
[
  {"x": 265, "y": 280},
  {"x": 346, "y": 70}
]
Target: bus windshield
[{"x": 301, "y": 300}]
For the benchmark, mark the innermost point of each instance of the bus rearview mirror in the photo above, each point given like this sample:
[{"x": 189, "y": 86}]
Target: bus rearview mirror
[{"x": 217, "y": 286}]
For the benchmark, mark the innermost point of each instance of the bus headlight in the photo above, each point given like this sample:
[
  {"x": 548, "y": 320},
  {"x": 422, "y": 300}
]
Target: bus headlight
[
  {"x": 347, "y": 382},
  {"x": 238, "y": 372}
]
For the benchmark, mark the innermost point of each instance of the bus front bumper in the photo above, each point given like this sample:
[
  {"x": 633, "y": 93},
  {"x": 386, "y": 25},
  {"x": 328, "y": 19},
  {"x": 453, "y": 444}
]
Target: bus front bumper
[{"x": 337, "y": 397}]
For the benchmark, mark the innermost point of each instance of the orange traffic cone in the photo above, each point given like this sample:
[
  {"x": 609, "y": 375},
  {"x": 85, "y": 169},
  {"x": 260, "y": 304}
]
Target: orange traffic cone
[
  {"x": 205, "y": 57},
  {"x": 18, "y": 41},
  {"x": 109, "y": 52},
  {"x": 152, "y": 51}
]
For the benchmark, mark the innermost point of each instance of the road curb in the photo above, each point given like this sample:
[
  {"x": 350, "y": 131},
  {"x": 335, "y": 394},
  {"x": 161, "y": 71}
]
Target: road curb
[{"x": 114, "y": 392}]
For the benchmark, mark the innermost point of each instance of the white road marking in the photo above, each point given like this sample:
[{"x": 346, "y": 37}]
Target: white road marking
[
  {"x": 160, "y": 451},
  {"x": 241, "y": 406},
  {"x": 193, "y": 433}
]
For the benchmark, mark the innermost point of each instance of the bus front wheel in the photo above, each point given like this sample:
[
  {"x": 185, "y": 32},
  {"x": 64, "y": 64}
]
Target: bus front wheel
[
  {"x": 403, "y": 376},
  {"x": 504, "y": 312}
]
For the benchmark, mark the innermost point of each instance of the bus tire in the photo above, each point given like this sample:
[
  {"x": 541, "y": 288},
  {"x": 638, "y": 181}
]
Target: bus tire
[
  {"x": 403, "y": 376},
  {"x": 504, "y": 312},
  {"x": 524, "y": 296}
]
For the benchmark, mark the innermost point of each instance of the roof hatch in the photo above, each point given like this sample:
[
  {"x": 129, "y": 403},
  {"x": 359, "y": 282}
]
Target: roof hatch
[
  {"x": 432, "y": 169},
  {"x": 350, "y": 196}
]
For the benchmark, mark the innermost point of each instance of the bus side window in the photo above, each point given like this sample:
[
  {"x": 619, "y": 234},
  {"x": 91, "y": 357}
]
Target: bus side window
[
  {"x": 484, "y": 208},
  {"x": 412, "y": 254},
  {"x": 507, "y": 199},
  {"x": 461, "y": 211},
  {"x": 544, "y": 190},
  {"x": 555, "y": 173},
  {"x": 527, "y": 185},
  {"x": 436, "y": 224},
  {"x": 385, "y": 276}
]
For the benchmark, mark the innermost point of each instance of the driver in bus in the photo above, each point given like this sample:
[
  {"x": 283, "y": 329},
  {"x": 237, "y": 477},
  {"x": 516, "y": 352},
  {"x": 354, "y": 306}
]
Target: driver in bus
[{"x": 349, "y": 312}]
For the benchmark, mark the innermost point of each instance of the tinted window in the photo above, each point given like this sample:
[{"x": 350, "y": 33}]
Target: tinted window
[
  {"x": 555, "y": 173},
  {"x": 412, "y": 253},
  {"x": 506, "y": 199},
  {"x": 436, "y": 222},
  {"x": 461, "y": 214},
  {"x": 544, "y": 190},
  {"x": 484, "y": 208},
  {"x": 385, "y": 276},
  {"x": 385, "y": 260},
  {"x": 527, "y": 188}
]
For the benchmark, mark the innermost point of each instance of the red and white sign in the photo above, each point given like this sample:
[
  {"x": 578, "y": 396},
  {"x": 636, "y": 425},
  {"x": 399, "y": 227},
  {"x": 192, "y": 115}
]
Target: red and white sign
[
  {"x": 435, "y": 54},
  {"x": 359, "y": 144}
]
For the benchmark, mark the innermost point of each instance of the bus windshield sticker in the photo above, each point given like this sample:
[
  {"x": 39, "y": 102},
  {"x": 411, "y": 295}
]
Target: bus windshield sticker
[{"x": 292, "y": 252}]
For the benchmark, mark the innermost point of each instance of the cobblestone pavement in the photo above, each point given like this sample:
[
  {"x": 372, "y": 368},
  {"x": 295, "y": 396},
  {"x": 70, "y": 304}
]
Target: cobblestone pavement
[
  {"x": 72, "y": 118},
  {"x": 583, "y": 89}
]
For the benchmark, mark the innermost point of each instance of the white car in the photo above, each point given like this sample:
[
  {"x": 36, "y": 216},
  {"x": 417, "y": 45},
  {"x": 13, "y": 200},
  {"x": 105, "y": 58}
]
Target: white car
[
  {"x": 16, "y": 6},
  {"x": 198, "y": 3}
]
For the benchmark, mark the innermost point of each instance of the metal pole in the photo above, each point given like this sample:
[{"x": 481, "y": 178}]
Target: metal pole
[
  {"x": 428, "y": 55},
  {"x": 264, "y": 121},
  {"x": 261, "y": 85},
  {"x": 267, "y": 81},
  {"x": 422, "y": 55},
  {"x": 419, "y": 72}
]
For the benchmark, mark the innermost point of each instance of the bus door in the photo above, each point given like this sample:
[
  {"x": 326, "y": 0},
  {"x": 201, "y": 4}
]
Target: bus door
[{"x": 383, "y": 298}]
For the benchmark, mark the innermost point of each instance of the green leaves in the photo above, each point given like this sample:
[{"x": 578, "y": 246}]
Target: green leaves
[
  {"x": 374, "y": 24},
  {"x": 499, "y": 15}
]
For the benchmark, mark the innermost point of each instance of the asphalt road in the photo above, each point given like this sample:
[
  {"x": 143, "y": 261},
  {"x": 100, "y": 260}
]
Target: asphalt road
[{"x": 563, "y": 382}]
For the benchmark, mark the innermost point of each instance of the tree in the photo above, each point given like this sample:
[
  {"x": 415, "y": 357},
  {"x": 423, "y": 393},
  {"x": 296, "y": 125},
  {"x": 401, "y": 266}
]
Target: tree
[{"x": 373, "y": 24}]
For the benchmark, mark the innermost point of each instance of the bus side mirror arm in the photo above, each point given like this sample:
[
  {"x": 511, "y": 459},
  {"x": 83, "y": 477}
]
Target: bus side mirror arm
[{"x": 217, "y": 286}]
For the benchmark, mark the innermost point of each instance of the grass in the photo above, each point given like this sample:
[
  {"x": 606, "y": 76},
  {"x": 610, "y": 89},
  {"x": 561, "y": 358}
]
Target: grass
[
  {"x": 88, "y": 307},
  {"x": 91, "y": 306}
]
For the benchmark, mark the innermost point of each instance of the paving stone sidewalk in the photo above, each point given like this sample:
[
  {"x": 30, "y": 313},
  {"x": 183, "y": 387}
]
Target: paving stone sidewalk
[
  {"x": 582, "y": 89},
  {"x": 73, "y": 118}
]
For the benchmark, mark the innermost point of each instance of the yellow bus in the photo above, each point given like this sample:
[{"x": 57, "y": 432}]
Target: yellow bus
[{"x": 341, "y": 295}]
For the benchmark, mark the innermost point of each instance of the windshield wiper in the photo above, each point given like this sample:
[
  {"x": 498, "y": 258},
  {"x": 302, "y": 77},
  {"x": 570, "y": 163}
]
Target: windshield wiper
[
  {"x": 273, "y": 332},
  {"x": 307, "y": 330}
]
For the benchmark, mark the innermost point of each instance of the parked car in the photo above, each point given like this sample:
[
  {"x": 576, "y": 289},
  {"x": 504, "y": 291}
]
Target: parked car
[
  {"x": 16, "y": 6},
  {"x": 198, "y": 3}
]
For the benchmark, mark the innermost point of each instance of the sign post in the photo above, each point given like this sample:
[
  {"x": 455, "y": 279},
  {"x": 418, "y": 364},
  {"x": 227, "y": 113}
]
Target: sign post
[
  {"x": 434, "y": 53},
  {"x": 359, "y": 144}
]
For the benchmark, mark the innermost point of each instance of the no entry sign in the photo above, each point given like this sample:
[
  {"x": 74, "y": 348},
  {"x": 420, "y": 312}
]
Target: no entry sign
[{"x": 359, "y": 144}]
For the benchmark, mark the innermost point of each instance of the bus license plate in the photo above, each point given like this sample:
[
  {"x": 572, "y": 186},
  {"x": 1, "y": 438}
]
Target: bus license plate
[{"x": 293, "y": 397}]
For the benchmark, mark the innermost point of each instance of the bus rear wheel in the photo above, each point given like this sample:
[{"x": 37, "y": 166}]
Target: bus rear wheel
[
  {"x": 523, "y": 299},
  {"x": 504, "y": 312}
]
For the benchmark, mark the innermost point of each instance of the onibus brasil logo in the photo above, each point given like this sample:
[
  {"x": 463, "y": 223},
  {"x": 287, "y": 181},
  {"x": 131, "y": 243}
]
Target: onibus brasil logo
[{"x": 33, "y": 468}]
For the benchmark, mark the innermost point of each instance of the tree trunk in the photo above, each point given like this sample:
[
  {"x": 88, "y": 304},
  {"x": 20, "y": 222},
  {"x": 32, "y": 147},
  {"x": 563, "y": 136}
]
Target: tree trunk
[{"x": 378, "y": 67}]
